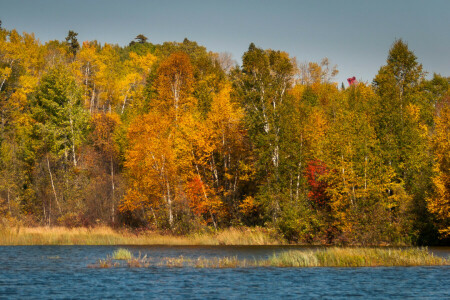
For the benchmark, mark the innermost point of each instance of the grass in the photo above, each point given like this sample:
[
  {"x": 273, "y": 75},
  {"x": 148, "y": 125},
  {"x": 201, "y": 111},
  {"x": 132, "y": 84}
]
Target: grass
[
  {"x": 356, "y": 257},
  {"x": 108, "y": 236},
  {"x": 122, "y": 254},
  {"x": 327, "y": 257}
]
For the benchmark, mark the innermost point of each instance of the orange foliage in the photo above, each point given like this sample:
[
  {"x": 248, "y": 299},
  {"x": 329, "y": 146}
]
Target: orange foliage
[
  {"x": 202, "y": 199},
  {"x": 174, "y": 83},
  {"x": 104, "y": 126}
]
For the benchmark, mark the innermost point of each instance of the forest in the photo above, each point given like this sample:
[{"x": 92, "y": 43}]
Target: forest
[{"x": 176, "y": 138}]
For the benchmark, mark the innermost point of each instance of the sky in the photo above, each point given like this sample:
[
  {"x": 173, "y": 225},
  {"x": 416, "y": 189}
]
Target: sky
[{"x": 355, "y": 35}]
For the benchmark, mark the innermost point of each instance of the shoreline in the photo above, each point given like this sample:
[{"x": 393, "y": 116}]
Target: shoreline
[{"x": 23, "y": 236}]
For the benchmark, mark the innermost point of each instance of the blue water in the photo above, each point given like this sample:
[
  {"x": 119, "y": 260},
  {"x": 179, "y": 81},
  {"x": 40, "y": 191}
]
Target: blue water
[{"x": 61, "y": 272}]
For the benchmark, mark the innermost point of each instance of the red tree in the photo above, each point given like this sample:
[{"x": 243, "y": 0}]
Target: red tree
[{"x": 315, "y": 171}]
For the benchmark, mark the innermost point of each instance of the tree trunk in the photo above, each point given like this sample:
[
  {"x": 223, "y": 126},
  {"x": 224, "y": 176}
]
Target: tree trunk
[
  {"x": 112, "y": 192},
  {"x": 154, "y": 217},
  {"x": 9, "y": 204},
  {"x": 91, "y": 106},
  {"x": 53, "y": 187},
  {"x": 73, "y": 142},
  {"x": 169, "y": 204},
  {"x": 206, "y": 197}
]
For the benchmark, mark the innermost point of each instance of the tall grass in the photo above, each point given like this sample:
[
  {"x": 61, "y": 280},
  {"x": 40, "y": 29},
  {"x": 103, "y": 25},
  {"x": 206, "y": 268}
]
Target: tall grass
[
  {"x": 329, "y": 257},
  {"x": 122, "y": 254},
  {"x": 108, "y": 236},
  {"x": 356, "y": 257}
]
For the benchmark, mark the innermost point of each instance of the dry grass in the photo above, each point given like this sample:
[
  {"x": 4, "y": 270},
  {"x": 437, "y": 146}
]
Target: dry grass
[
  {"x": 108, "y": 236},
  {"x": 329, "y": 257}
]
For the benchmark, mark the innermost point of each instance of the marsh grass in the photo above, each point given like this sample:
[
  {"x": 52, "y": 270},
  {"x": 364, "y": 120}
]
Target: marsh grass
[
  {"x": 356, "y": 257},
  {"x": 122, "y": 254},
  {"x": 108, "y": 236},
  {"x": 327, "y": 257}
]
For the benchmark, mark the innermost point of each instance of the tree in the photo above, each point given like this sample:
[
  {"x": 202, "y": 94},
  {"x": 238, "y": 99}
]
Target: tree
[
  {"x": 402, "y": 129},
  {"x": 266, "y": 78},
  {"x": 362, "y": 209},
  {"x": 137, "y": 69},
  {"x": 60, "y": 121},
  {"x": 231, "y": 162},
  {"x": 439, "y": 202},
  {"x": 142, "y": 39},
  {"x": 72, "y": 42},
  {"x": 152, "y": 169},
  {"x": 104, "y": 127},
  {"x": 174, "y": 85},
  {"x": 315, "y": 174},
  {"x": 397, "y": 84}
]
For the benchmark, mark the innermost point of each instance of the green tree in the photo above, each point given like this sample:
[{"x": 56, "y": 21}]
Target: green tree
[
  {"x": 72, "y": 42},
  {"x": 142, "y": 39},
  {"x": 60, "y": 125},
  {"x": 403, "y": 131},
  {"x": 263, "y": 86}
]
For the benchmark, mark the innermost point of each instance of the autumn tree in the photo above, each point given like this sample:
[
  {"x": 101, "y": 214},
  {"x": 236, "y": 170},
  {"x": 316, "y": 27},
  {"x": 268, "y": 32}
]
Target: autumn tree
[
  {"x": 231, "y": 162},
  {"x": 439, "y": 202},
  {"x": 206, "y": 69},
  {"x": 174, "y": 85},
  {"x": 152, "y": 169},
  {"x": 104, "y": 127},
  {"x": 315, "y": 174}
]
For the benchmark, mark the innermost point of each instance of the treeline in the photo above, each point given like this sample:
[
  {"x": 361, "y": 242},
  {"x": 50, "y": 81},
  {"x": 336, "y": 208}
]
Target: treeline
[{"x": 178, "y": 138}]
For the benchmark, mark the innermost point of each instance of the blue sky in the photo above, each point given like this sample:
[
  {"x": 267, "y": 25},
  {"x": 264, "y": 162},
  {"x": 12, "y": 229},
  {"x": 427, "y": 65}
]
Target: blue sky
[{"x": 355, "y": 35}]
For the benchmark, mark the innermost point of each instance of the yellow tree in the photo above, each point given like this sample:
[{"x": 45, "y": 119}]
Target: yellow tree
[
  {"x": 174, "y": 84},
  {"x": 107, "y": 79},
  {"x": 132, "y": 83},
  {"x": 104, "y": 126},
  {"x": 21, "y": 66},
  {"x": 86, "y": 69},
  {"x": 151, "y": 165},
  {"x": 439, "y": 204},
  {"x": 159, "y": 159},
  {"x": 230, "y": 163}
]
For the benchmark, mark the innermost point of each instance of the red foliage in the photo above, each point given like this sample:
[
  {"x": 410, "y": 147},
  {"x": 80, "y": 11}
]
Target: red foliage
[
  {"x": 352, "y": 81},
  {"x": 194, "y": 191},
  {"x": 314, "y": 173}
]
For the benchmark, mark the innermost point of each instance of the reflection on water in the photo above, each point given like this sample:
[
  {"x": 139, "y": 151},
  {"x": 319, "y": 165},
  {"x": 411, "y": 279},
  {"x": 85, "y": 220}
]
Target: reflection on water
[{"x": 59, "y": 272}]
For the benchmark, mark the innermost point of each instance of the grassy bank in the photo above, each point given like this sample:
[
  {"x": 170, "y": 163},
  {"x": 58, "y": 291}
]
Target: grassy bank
[
  {"x": 108, "y": 236},
  {"x": 328, "y": 257}
]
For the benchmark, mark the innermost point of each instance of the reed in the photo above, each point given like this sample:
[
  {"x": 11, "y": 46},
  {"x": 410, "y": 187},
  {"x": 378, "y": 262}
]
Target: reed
[
  {"x": 108, "y": 236},
  {"x": 122, "y": 254},
  {"x": 327, "y": 257},
  {"x": 356, "y": 257}
]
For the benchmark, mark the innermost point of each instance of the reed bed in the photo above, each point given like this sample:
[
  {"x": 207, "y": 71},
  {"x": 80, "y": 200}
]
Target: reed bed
[
  {"x": 108, "y": 236},
  {"x": 327, "y": 257},
  {"x": 356, "y": 257}
]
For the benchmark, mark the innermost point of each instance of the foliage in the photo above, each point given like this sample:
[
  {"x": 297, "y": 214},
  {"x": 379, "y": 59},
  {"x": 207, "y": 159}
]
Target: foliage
[{"x": 172, "y": 136}]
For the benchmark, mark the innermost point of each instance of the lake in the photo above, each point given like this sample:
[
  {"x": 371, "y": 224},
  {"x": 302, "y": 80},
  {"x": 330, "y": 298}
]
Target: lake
[{"x": 61, "y": 272}]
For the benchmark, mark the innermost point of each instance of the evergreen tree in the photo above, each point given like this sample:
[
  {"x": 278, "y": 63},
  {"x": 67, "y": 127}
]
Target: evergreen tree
[{"x": 72, "y": 42}]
